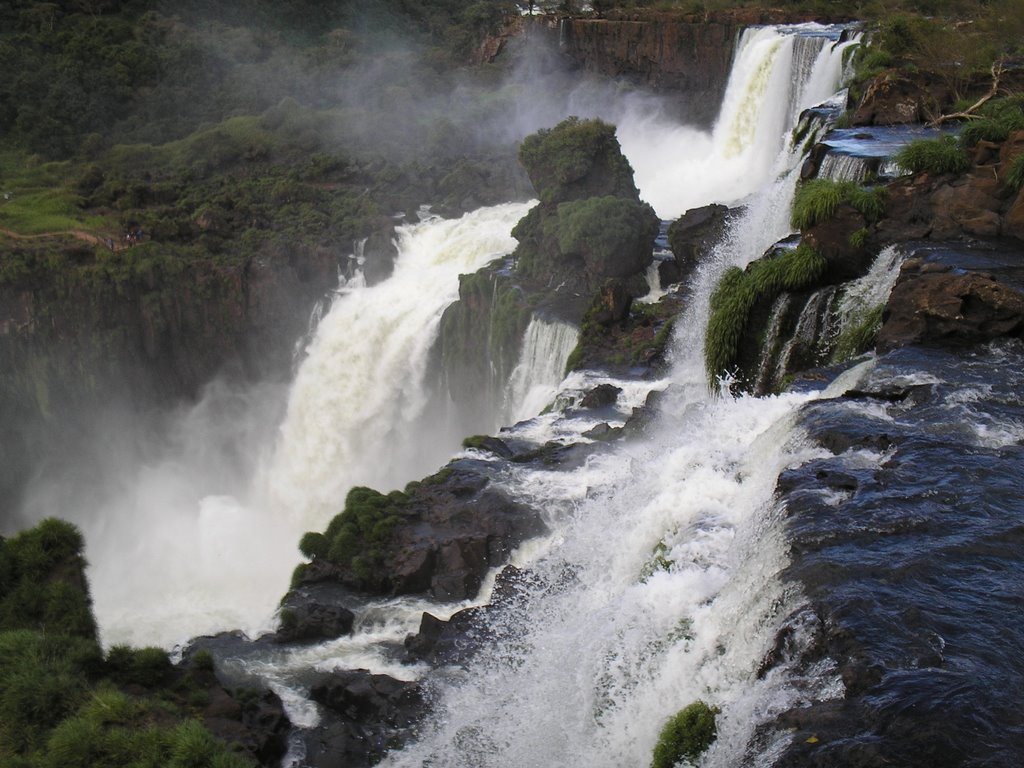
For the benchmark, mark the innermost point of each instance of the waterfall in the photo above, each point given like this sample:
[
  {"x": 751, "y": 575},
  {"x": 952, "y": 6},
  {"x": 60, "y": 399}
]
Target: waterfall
[
  {"x": 838, "y": 167},
  {"x": 357, "y": 410},
  {"x": 659, "y": 584},
  {"x": 541, "y": 368},
  {"x": 776, "y": 74}
]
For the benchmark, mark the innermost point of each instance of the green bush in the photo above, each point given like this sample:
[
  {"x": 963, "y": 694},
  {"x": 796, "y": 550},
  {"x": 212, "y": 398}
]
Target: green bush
[
  {"x": 739, "y": 290},
  {"x": 816, "y": 201},
  {"x": 686, "y": 735},
  {"x": 558, "y": 158},
  {"x": 42, "y": 581},
  {"x": 999, "y": 118},
  {"x": 1015, "y": 174},
  {"x": 614, "y": 235},
  {"x": 355, "y": 537},
  {"x": 935, "y": 156},
  {"x": 148, "y": 667},
  {"x": 313, "y": 545}
]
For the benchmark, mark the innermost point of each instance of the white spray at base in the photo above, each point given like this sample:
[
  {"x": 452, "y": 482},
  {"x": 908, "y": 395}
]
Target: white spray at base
[{"x": 660, "y": 583}]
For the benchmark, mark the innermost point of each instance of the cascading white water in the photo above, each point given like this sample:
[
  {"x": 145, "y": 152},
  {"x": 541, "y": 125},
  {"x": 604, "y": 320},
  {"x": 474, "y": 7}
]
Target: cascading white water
[
  {"x": 356, "y": 407},
  {"x": 660, "y": 583},
  {"x": 184, "y": 536},
  {"x": 837, "y": 167},
  {"x": 541, "y": 368},
  {"x": 776, "y": 74}
]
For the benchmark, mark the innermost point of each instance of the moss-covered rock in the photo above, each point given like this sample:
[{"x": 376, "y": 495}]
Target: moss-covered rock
[
  {"x": 686, "y": 735},
  {"x": 575, "y": 160}
]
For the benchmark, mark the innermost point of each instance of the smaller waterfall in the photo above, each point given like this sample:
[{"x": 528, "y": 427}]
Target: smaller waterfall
[
  {"x": 804, "y": 349},
  {"x": 772, "y": 339},
  {"x": 837, "y": 167},
  {"x": 547, "y": 345},
  {"x": 863, "y": 296}
]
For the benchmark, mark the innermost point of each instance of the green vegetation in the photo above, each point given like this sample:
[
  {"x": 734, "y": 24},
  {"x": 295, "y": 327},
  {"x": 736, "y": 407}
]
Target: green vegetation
[
  {"x": 936, "y": 156},
  {"x": 356, "y": 536},
  {"x": 61, "y": 703},
  {"x": 857, "y": 338},
  {"x": 560, "y": 160},
  {"x": 612, "y": 234},
  {"x": 997, "y": 119},
  {"x": 686, "y": 735},
  {"x": 737, "y": 293},
  {"x": 816, "y": 201},
  {"x": 1015, "y": 174}
]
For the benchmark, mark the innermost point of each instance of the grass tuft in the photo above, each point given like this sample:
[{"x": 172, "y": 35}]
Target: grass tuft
[{"x": 935, "y": 156}]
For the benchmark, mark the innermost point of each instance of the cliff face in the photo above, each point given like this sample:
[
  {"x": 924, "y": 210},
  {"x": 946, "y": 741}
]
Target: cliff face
[
  {"x": 662, "y": 54},
  {"x": 148, "y": 330},
  {"x": 668, "y": 51}
]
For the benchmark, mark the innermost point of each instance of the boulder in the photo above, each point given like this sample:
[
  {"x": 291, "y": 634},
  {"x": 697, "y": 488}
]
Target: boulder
[
  {"x": 442, "y": 537},
  {"x": 894, "y": 99},
  {"x": 366, "y": 715},
  {"x": 314, "y": 613},
  {"x": 601, "y": 396},
  {"x": 692, "y": 236},
  {"x": 937, "y": 304}
]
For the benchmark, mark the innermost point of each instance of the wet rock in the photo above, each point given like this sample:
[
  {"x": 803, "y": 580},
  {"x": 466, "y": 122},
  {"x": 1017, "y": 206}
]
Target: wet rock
[
  {"x": 612, "y": 303},
  {"x": 455, "y": 641},
  {"x": 367, "y": 715},
  {"x": 449, "y": 531},
  {"x": 314, "y": 613},
  {"x": 490, "y": 444},
  {"x": 936, "y": 304},
  {"x": 601, "y": 396},
  {"x": 603, "y": 431},
  {"x": 894, "y": 99},
  {"x": 692, "y": 236},
  {"x": 969, "y": 204}
]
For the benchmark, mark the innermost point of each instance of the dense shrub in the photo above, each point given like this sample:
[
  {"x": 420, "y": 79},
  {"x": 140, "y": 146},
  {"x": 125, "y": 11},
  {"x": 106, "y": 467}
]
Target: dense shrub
[
  {"x": 686, "y": 735},
  {"x": 42, "y": 581},
  {"x": 560, "y": 159},
  {"x": 739, "y": 290},
  {"x": 613, "y": 235},
  {"x": 998, "y": 118},
  {"x": 936, "y": 156},
  {"x": 356, "y": 536},
  {"x": 816, "y": 201},
  {"x": 1015, "y": 174}
]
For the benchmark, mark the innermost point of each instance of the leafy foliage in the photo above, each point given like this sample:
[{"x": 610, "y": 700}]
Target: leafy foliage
[
  {"x": 42, "y": 581},
  {"x": 60, "y": 705},
  {"x": 611, "y": 233},
  {"x": 936, "y": 156},
  {"x": 817, "y": 200},
  {"x": 560, "y": 159},
  {"x": 858, "y": 337},
  {"x": 355, "y": 537},
  {"x": 999, "y": 118},
  {"x": 1015, "y": 174},
  {"x": 739, "y": 290},
  {"x": 686, "y": 735}
]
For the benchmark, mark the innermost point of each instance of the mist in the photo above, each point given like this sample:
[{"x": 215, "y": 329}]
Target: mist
[{"x": 192, "y": 513}]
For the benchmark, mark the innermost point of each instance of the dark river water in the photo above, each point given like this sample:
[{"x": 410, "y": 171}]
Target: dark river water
[{"x": 908, "y": 538}]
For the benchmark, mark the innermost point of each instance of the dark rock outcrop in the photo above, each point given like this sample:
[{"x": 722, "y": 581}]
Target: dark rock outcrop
[
  {"x": 936, "y": 303},
  {"x": 366, "y": 716},
  {"x": 601, "y": 396},
  {"x": 449, "y": 531},
  {"x": 692, "y": 236},
  {"x": 315, "y": 612}
]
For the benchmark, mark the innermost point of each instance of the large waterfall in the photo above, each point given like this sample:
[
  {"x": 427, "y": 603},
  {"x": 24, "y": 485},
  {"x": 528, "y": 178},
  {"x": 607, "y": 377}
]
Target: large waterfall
[{"x": 660, "y": 584}]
